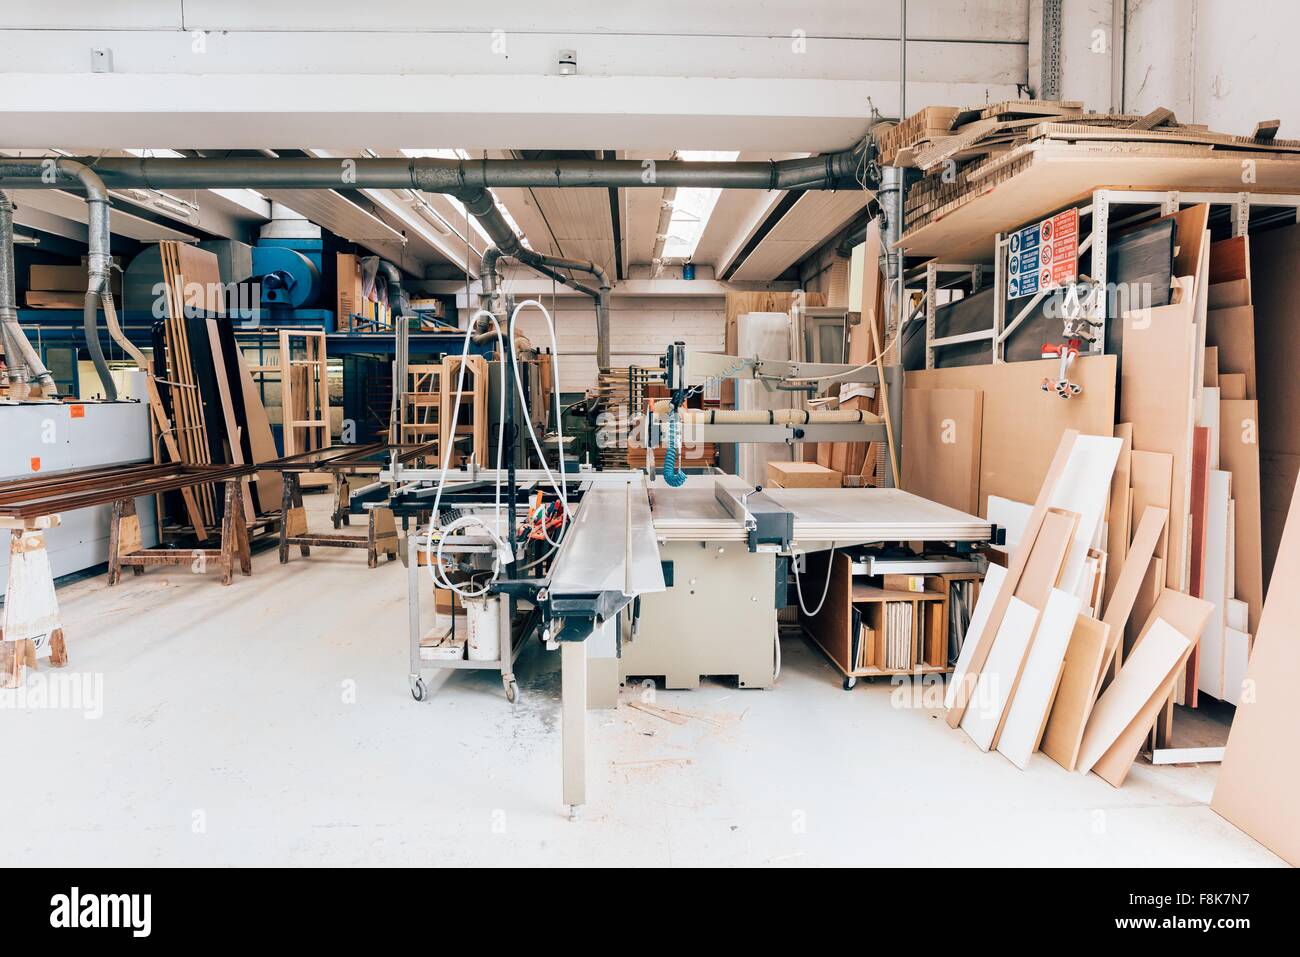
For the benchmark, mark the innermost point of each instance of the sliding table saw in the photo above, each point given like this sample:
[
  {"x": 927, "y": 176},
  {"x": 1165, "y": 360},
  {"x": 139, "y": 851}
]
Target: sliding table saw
[{"x": 669, "y": 568}]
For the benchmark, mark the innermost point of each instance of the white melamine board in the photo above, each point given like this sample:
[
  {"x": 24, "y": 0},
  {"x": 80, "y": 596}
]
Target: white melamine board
[
  {"x": 1037, "y": 688},
  {"x": 994, "y": 579},
  {"x": 1208, "y": 418},
  {"x": 989, "y": 699},
  {"x": 1187, "y": 755},
  {"x": 1214, "y": 589},
  {"x": 1085, "y": 490},
  {"x": 1237, "y": 612},
  {"x": 1011, "y": 516},
  {"x": 1145, "y": 670},
  {"x": 1236, "y": 655}
]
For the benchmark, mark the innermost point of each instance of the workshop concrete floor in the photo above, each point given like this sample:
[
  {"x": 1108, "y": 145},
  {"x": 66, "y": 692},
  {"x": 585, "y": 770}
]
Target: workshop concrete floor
[{"x": 271, "y": 723}]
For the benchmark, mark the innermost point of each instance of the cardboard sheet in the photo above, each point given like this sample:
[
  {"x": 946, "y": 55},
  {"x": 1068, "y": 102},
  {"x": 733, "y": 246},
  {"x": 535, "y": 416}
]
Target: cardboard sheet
[{"x": 1259, "y": 783}]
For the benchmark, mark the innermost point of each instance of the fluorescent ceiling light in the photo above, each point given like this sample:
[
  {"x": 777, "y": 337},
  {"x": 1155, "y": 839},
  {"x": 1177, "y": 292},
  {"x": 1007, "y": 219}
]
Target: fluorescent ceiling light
[{"x": 692, "y": 207}]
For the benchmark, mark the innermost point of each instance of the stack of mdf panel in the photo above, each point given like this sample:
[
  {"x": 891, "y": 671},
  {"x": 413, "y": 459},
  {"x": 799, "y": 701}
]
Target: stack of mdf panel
[{"x": 1034, "y": 667}]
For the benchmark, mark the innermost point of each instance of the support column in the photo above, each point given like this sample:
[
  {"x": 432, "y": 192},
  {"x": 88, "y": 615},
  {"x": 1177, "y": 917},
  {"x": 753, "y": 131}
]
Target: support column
[{"x": 573, "y": 698}]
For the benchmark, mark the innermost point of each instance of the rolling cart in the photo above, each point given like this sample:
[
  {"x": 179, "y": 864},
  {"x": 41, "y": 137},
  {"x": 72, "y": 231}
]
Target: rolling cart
[{"x": 417, "y": 558}]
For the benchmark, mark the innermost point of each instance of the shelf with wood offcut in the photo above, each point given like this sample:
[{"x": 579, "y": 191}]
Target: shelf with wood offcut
[{"x": 868, "y": 631}]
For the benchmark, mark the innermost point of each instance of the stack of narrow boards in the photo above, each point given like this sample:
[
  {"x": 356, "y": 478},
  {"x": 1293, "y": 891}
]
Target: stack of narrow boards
[
  {"x": 216, "y": 412},
  {"x": 1032, "y": 671}
]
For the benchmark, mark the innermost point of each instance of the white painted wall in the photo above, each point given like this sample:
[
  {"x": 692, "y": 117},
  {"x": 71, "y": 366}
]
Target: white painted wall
[
  {"x": 644, "y": 325},
  {"x": 779, "y": 75},
  {"x": 1223, "y": 63},
  {"x": 1086, "y": 41}
]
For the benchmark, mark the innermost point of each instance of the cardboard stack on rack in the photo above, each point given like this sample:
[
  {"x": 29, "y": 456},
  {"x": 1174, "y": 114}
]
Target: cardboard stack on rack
[{"x": 64, "y": 287}]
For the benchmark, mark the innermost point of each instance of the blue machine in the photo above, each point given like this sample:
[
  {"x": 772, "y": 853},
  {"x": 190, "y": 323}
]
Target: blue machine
[{"x": 289, "y": 274}]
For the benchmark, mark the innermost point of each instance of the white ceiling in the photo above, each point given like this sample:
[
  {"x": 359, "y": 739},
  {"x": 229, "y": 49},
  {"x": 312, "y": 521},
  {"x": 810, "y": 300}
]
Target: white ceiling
[{"x": 772, "y": 80}]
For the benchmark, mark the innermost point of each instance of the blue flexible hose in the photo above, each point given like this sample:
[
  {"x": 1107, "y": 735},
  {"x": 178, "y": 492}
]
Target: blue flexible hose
[{"x": 674, "y": 476}]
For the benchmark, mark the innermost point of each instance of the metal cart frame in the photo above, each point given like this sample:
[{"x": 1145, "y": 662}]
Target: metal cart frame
[{"x": 509, "y": 650}]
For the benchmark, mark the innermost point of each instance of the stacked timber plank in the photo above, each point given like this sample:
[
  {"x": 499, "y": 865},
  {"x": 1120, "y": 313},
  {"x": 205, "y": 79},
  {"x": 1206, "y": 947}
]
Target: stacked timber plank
[
  {"x": 620, "y": 396},
  {"x": 206, "y": 408},
  {"x": 188, "y": 416}
]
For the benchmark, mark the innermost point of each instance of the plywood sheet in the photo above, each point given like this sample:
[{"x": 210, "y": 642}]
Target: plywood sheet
[
  {"x": 1080, "y": 675},
  {"x": 1230, "y": 260},
  {"x": 1232, "y": 386},
  {"x": 1152, "y": 662},
  {"x": 261, "y": 440},
  {"x": 1022, "y": 424},
  {"x": 941, "y": 445},
  {"x": 1152, "y": 476},
  {"x": 1062, "y": 174},
  {"x": 1119, "y": 512},
  {"x": 1259, "y": 783},
  {"x": 1225, "y": 295},
  {"x": 1232, "y": 332},
  {"x": 1131, "y": 576},
  {"x": 1113, "y": 766},
  {"x": 1046, "y": 562},
  {"x": 1034, "y": 692},
  {"x": 1239, "y": 454},
  {"x": 1157, "y": 394},
  {"x": 1084, "y": 489}
]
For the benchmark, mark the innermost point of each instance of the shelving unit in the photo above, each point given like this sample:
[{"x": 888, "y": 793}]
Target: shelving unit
[{"x": 832, "y": 630}]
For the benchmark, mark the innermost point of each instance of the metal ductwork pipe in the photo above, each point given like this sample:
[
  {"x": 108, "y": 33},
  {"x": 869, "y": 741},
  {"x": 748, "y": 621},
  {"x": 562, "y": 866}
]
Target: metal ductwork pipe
[
  {"x": 828, "y": 171},
  {"x": 397, "y": 300},
  {"x": 60, "y": 174},
  {"x": 481, "y": 204},
  {"x": 469, "y": 180},
  {"x": 22, "y": 359}
]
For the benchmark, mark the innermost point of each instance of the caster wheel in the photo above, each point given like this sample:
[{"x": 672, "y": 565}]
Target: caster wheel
[
  {"x": 512, "y": 691},
  {"x": 419, "y": 690},
  {"x": 849, "y": 683}
]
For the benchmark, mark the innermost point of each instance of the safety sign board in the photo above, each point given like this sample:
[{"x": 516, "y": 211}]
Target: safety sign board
[{"x": 1044, "y": 256}]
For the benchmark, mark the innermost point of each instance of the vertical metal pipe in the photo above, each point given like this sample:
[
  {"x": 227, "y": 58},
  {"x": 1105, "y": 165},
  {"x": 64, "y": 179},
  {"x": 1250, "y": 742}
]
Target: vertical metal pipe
[
  {"x": 902, "y": 60},
  {"x": 23, "y": 360}
]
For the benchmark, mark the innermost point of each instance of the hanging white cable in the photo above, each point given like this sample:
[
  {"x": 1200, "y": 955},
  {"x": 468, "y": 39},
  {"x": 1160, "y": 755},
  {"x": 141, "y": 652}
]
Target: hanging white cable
[
  {"x": 830, "y": 566},
  {"x": 435, "y": 568},
  {"x": 560, "y": 487}
]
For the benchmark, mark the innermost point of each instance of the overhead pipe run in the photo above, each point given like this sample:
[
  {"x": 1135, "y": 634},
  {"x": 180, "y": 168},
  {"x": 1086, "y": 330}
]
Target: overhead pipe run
[
  {"x": 469, "y": 180},
  {"x": 436, "y": 175}
]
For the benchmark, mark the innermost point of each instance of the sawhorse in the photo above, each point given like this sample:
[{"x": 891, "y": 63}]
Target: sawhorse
[
  {"x": 32, "y": 626},
  {"x": 381, "y": 530},
  {"x": 125, "y": 550}
]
